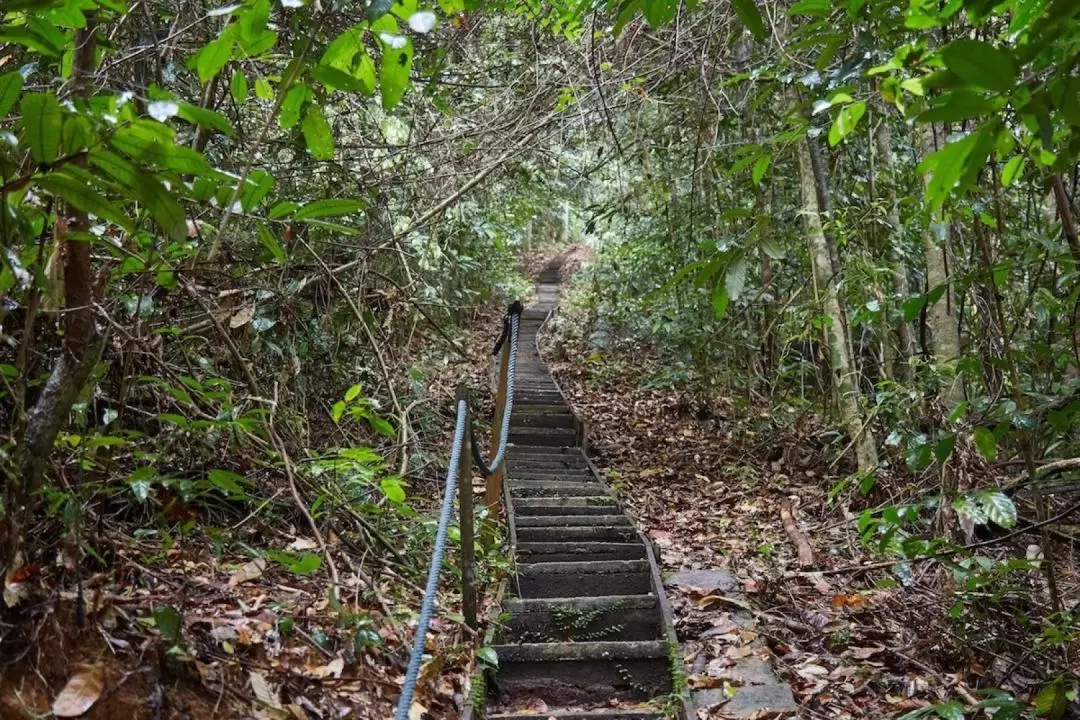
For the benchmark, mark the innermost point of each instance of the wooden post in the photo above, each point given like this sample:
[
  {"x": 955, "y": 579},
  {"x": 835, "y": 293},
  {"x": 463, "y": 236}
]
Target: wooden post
[
  {"x": 465, "y": 523},
  {"x": 494, "y": 486}
]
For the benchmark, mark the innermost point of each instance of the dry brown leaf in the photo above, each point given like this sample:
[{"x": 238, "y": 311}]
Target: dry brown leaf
[
  {"x": 416, "y": 711},
  {"x": 264, "y": 691},
  {"x": 242, "y": 317},
  {"x": 250, "y": 571},
  {"x": 81, "y": 692}
]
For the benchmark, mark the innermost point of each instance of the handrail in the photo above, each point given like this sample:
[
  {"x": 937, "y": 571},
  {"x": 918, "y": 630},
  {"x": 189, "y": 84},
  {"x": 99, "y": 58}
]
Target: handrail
[{"x": 458, "y": 475}]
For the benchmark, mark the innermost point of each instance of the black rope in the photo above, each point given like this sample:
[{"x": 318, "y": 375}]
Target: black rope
[
  {"x": 478, "y": 459},
  {"x": 514, "y": 309}
]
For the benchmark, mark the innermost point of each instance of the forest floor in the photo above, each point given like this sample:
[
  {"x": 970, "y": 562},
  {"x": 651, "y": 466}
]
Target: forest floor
[
  {"x": 707, "y": 479},
  {"x": 204, "y": 625}
]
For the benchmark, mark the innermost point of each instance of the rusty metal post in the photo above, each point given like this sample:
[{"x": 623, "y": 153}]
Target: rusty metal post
[
  {"x": 465, "y": 523},
  {"x": 493, "y": 489}
]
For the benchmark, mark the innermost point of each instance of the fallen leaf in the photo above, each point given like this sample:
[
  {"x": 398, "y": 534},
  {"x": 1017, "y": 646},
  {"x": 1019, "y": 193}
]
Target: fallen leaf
[
  {"x": 249, "y": 571},
  {"x": 242, "y": 317},
  {"x": 864, "y": 653},
  {"x": 303, "y": 543},
  {"x": 81, "y": 692},
  {"x": 416, "y": 711},
  {"x": 264, "y": 691}
]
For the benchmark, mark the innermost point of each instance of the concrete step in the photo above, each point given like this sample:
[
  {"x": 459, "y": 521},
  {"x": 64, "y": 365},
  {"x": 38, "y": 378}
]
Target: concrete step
[
  {"x": 619, "y": 617},
  {"x": 623, "y": 533},
  {"x": 597, "y": 505},
  {"x": 571, "y": 520},
  {"x": 553, "y": 475},
  {"x": 543, "y": 552},
  {"x": 584, "y": 579},
  {"x": 547, "y": 489},
  {"x": 555, "y": 437},
  {"x": 582, "y": 673}
]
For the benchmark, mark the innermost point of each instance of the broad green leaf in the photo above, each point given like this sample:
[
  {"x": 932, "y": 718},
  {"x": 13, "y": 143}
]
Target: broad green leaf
[
  {"x": 488, "y": 656},
  {"x": 394, "y": 71},
  {"x": 263, "y": 90},
  {"x": 986, "y": 443},
  {"x": 748, "y": 13},
  {"x": 720, "y": 301},
  {"x": 206, "y": 118},
  {"x": 10, "y": 86},
  {"x": 761, "y": 166},
  {"x": 42, "y": 120},
  {"x": 83, "y": 196},
  {"x": 1052, "y": 701},
  {"x": 391, "y": 487},
  {"x": 353, "y": 392},
  {"x": 981, "y": 64},
  {"x": 212, "y": 57},
  {"x": 317, "y": 134},
  {"x": 958, "y": 105},
  {"x": 169, "y": 622},
  {"x": 292, "y": 105},
  {"x": 735, "y": 279},
  {"x": 659, "y": 12},
  {"x": 266, "y": 237},
  {"x": 228, "y": 482},
  {"x": 238, "y": 87},
  {"x": 1013, "y": 170},
  {"x": 336, "y": 79},
  {"x": 999, "y": 508},
  {"x": 944, "y": 447},
  {"x": 337, "y": 411},
  {"x": 282, "y": 209},
  {"x": 846, "y": 121},
  {"x": 329, "y": 208}
]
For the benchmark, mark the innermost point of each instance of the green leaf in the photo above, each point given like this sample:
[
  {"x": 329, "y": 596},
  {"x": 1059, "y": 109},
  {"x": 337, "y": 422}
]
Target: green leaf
[
  {"x": 944, "y": 447},
  {"x": 263, "y": 90},
  {"x": 206, "y": 118},
  {"x": 10, "y": 86},
  {"x": 317, "y": 134},
  {"x": 336, "y": 79},
  {"x": 212, "y": 57},
  {"x": 238, "y": 87},
  {"x": 735, "y": 279},
  {"x": 353, "y": 392},
  {"x": 394, "y": 72},
  {"x": 337, "y": 411},
  {"x": 169, "y": 622},
  {"x": 846, "y": 121},
  {"x": 986, "y": 443},
  {"x": 391, "y": 487},
  {"x": 748, "y": 13},
  {"x": 306, "y": 564},
  {"x": 659, "y": 12},
  {"x": 912, "y": 307},
  {"x": 42, "y": 120},
  {"x": 761, "y": 166},
  {"x": 77, "y": 192},
  {"x": 1013, "y": 170},
  {"x": 720, "y": 301},
  {"x": 999, "y": 508},
  {"x": 292, "y": 105},
  {"x": 488, "y": 656},
  {"x": 1052, "y": 701},
  {"x": 950, "y": 711},
  {"x": 958, "y": 105},
  {"x": 270, "y": 243},
  {"x": 329, "y": 208},
  {"x": 228, "y": 482},
  {"x": 981, "y": 64}
]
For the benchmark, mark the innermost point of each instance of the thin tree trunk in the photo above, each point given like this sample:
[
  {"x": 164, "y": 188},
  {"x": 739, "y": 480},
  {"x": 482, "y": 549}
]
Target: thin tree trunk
[
  {"x": 940, "y": 315},
  {"x": 81, "y": 344},
  {"x": 840, "y": 359},
  {"x": 904, "y": 332}
]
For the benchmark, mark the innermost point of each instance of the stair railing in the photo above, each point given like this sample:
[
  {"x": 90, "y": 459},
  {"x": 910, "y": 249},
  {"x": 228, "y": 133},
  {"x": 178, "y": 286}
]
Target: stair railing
[{"x": 459, "y": 476}]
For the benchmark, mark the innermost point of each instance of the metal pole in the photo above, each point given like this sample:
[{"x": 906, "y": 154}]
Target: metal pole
[
  {"x": 493, "y": 488},
  {"x": 465, "y": 523}
]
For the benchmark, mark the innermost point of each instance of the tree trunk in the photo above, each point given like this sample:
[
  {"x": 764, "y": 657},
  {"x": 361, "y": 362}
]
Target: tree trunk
[
  {"x": 80, "y": 349},
  {"x": 904, "y": 332},
  {"x": 941, "y": 315},
  {"x": 840, "y": 360}
]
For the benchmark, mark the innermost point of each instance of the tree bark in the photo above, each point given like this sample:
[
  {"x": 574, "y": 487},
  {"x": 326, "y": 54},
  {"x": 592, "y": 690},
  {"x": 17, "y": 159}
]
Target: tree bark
[
  {"x": 940, "y": 315},
  {"x": 80, "y": 348},
  {"x": 840, "y": 359},
  {"x": 901, "y": 290}
]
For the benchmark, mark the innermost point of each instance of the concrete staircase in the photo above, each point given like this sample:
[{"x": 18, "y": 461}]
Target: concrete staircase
[{"x": 588, "y": 633}]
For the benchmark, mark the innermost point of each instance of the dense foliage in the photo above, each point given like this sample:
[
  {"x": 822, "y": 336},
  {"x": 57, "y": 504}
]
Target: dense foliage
[{"x": 235, "y": 232}]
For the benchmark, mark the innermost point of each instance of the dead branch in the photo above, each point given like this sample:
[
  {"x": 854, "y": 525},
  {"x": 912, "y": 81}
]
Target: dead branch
[{"x": 791, "y": 527}]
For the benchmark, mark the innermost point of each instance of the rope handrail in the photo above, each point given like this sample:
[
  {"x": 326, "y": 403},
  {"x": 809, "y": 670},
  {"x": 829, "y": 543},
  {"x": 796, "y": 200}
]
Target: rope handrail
[
  {"x": 511, "y": 323},
  {"x": 489, "y": 468},
  {"x": 428, "y": 603}
]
